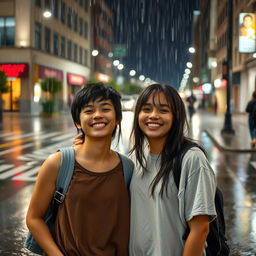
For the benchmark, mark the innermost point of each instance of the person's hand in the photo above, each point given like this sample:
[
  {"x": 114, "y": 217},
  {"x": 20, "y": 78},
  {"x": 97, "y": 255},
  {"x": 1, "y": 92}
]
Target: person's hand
[{"x": 78, "y": 140}]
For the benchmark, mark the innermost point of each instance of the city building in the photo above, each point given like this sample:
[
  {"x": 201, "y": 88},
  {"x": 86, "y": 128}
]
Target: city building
[
  {"x": 102, "y": 18},
  {"x": 40, "y": 39}
]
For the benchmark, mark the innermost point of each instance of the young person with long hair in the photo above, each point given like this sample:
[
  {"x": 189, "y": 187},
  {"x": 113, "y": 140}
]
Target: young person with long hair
[
  {"x": 94, "y": 218},
  {"x": 160, "y": 212}
]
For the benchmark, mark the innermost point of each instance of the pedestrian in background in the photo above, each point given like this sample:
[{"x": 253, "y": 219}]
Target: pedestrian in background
[
  {"x": 251, "y": 109},
  {"x": 94, "y": 218},
  {"x": 191, "y": 105},
  {"x": 160, "y": 212}
]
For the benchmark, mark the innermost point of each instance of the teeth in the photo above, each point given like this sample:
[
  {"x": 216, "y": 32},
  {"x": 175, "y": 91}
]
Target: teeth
[
  {"x": 153, "y": 125},
  {"x": 99, "y": 125}
]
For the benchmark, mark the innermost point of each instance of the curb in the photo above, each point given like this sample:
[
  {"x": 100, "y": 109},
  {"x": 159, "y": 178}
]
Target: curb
[{"x": 229, "y": 149}]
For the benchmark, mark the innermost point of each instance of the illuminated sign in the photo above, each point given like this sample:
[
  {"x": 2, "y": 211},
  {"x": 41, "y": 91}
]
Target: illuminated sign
[
  {"x": 15, "y": 70},
  {"x": 76, "y": 79},
  {"x": 103, "y": 78},
  {"x": 45, "y": 72},
  {"x": 247, "y": 32}
]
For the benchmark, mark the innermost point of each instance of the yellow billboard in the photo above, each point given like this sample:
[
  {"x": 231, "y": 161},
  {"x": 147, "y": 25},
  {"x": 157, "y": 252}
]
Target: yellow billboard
[{"x": 247, "y": 32}]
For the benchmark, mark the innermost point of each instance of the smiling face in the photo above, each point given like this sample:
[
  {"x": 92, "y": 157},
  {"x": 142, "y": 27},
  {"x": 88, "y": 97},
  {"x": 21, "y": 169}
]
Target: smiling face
[
  {"x": 247, "y": 21},
  {"x": 155, "y": 117},
  {"x": 98, "y": 119}
]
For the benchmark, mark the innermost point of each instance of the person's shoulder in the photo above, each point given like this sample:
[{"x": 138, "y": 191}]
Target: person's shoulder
[{"x": 196, "y": 155}]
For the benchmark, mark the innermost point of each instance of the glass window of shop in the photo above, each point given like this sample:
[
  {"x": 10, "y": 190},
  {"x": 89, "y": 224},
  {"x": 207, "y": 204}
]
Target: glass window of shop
[
  {"x": 7, "y": 31},
  {"x": 63, "y": 47},
  {"x": 85, "y": 57},
  {"x": 38, "y": 34},
  {"x": 81, "y": 55},
  {"x": 56, "y": 44},
  {"x": 47, "y": 40}
]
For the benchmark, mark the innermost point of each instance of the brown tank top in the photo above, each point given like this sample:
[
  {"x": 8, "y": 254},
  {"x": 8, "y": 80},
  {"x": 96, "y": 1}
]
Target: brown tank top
[{"x": 94, "y": 218}]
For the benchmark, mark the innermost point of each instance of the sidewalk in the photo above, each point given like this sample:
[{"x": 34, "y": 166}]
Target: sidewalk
[{"x": 239, "y": 142}]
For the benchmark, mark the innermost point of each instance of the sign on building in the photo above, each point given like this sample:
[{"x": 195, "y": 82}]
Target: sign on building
[
  {"x": 247, "y": 32},
  {"x": 119, "y": 50}
]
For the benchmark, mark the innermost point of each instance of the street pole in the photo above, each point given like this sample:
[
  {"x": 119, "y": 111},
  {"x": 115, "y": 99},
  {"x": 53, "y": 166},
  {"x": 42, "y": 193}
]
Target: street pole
[{"x": 228, "y": 116}]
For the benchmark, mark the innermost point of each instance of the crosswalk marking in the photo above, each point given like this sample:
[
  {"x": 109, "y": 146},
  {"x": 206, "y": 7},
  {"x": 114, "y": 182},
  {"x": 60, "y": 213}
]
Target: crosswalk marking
[
  {"x": 14, "y": 171},
  {"x": 27, "y": 176},
  {"x": 5, "y": 167}
]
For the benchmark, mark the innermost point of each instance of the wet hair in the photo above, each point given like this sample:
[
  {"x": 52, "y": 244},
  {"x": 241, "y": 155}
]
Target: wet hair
[
  {"x": 175, "y": 138},
  {"x": 93, "y": 92}
]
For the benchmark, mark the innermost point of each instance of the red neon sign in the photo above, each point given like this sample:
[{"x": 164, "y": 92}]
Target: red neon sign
[
  {"x": 15, "y": 70},
  {"x": 75, "y": 79}
]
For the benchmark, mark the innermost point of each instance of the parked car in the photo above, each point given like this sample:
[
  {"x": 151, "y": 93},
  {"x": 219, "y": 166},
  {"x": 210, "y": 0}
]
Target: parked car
[{"x": 127, "y": 102}]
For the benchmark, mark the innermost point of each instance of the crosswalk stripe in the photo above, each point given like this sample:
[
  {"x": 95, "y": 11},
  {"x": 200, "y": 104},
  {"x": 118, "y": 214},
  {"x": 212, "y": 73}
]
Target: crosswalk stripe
[
  {"x": 22, "y": 136},
  {"x": 27, "y": 176},
  {"x": 5, "y": 167},
  {"x": 11, "y": 172}
]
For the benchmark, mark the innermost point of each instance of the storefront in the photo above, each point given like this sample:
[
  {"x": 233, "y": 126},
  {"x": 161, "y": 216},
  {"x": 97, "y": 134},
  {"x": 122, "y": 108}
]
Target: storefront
[
  {"x": 15, "y": 72},
  {"x": 74, "y": 82}
]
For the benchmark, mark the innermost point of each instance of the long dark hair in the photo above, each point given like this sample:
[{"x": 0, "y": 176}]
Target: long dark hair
[{"x": 174, "y": 141}]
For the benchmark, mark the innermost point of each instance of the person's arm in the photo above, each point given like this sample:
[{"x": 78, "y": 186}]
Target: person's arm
[
  {"x": 195, "y": 242},
  {"x": 44, "y": 189}
]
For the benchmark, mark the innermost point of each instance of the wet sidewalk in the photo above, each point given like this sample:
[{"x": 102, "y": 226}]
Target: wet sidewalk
[{"x": 239, "y": 142}]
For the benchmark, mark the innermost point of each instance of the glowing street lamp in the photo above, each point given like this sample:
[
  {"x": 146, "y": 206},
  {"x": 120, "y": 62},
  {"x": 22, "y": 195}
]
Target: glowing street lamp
[
  {"x": 189, "y": 65},
  {"x": 47, "y": 14},
  {"x": 192, "y": 50},
  {"x": 141, "y": 78},
  {"x": 95, "y": 53},
  {"x": 132, "y": 73},
  {"x": 120, "y": 66},
  {"x": 116, "y": 62}
]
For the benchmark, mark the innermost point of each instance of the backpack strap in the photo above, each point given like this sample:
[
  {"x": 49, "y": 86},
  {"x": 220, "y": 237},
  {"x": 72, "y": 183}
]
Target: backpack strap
[
  {"x": 178, "y": 161},
  {"x": 128, "y": 167},
  {"x": 65, "y": 173}
]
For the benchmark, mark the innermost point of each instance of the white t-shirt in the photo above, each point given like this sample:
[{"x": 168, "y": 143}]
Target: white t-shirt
[{"x": 158, "y": 224}]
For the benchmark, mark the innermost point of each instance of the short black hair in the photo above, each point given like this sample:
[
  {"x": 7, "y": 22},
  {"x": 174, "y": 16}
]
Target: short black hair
[{"x": 92, "y": 92}]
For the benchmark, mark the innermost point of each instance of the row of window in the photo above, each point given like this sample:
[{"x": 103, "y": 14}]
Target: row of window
[
  {"x": 7, "y": 31},
  {"x": 66, "y": 14},
  {"x": 61, "y": 46}
]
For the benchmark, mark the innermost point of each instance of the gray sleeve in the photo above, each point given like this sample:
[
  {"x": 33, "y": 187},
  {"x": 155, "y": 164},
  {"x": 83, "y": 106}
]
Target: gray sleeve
[{"x": 199, "y": 185}]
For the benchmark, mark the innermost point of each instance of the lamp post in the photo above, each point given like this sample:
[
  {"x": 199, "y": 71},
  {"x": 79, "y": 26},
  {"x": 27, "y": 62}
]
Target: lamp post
[{"x": 228, "y": 115}]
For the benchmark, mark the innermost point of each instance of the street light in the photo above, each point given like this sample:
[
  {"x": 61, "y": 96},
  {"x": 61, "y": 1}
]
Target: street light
[
  {"x": 116, "y": 62},
  {"x": 120, "y": 66},
  {"x": 228, "y": 115},
  {"x": 47, "y": 14},
  {"x": 141, "y": 78},
  {"x": 189, "y": 65},
  {"x": 132, "y": 73},
  {"x": 192, "y": 50},
  {"x": 95, "y": 53}
]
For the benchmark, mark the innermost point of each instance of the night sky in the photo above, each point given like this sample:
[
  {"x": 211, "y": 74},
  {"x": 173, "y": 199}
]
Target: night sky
[{"x": 157, "y": 34}]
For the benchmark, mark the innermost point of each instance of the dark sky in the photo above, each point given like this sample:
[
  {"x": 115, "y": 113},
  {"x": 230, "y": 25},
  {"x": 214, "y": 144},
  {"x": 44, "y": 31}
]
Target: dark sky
[{"x": 157, "y": 34}]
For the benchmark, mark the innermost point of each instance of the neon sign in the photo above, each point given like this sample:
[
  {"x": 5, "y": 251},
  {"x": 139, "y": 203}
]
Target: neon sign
[
  {"x": 75, "y": 79},
  {"x": 15, "y": 70}
]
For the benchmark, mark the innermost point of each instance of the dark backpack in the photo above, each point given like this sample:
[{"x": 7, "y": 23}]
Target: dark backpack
[
  {"x": 253, "y": 114},
  {"x": 216, "y": 240}
]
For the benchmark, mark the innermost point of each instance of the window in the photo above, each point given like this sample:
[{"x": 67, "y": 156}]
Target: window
[
  {"x": 85, "y": 30},
  {"x": 47, "y": 5},
  {"x": 69, "y": 18},
  {"x": 80, "y": 55},
  {"x": 81, "y": 26},
  {"x": 56, "y": 44},
  {"x": 81, "y": 2},
  {"x": 85, "y": 57},
  {"x": 38, "y": 3},
  {"x": 63, "y": 47},
  {"x": 69, "y": 49},
  {"x": 56, "y": 9},
  {"x": 75, "y": 22},
  {"x": 7, "y": 31},
  {"x": 38, "y": 33},
  {"x": 75, "y": 52},
  {"x": 63, "y": 12},
  {"x": 86, "y": 5},
  {"x": 47, "y": 40}
]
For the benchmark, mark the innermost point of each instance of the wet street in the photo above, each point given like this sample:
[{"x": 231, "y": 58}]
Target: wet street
[{"x": 26, "y": 141}]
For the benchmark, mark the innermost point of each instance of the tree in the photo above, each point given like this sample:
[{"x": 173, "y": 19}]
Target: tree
[
  {"x": 51, "y": 86},
  {"x": 4, "y": 88}
]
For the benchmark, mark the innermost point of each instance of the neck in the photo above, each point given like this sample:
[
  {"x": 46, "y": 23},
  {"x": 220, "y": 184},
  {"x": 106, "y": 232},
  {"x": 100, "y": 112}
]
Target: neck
[
  {"x": 156, "y": 145},
  {"x": 96, "y": 148}
]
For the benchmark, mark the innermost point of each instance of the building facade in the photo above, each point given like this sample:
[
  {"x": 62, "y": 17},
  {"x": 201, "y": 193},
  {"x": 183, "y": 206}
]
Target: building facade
[
  {"x": 34, "y": 47},
  {"x": 102, "y": 18}
]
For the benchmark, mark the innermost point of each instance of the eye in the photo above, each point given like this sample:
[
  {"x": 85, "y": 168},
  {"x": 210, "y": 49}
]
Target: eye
[
  {"x": 146, "y": 109},
  {"x": 87, "y": 111},
  {"x": 106, "y": 109},
  {"x": 164, "y": 110}
]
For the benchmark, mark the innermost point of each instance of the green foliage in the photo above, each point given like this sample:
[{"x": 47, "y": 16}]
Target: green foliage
[
  {"x": 49, "y": 106},
  {"x": 130, "y": 88},
  {"x": 51, "y": 85},
  {"x": 3, "y": 82}
]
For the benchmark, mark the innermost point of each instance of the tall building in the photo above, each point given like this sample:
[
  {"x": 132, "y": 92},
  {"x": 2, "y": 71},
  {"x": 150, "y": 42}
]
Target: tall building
[
  {"x": 102, "y": 19},
  {"x": 34, "y": 46}
]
